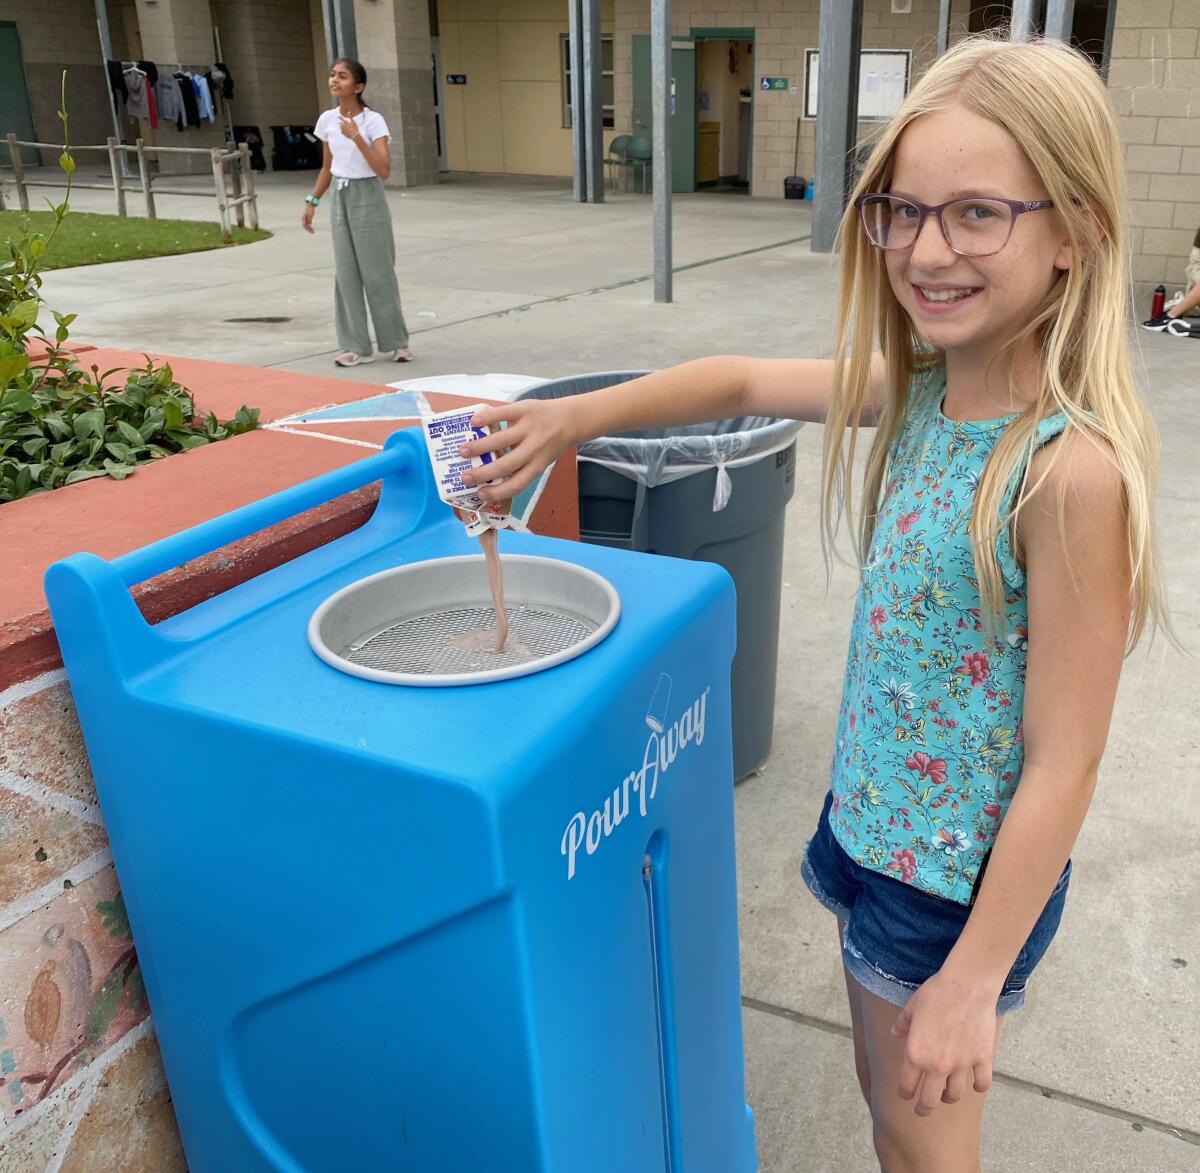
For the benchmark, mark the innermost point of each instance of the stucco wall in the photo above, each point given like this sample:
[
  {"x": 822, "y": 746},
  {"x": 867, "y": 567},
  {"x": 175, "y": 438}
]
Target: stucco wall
[{"x": 508, "y": 117}]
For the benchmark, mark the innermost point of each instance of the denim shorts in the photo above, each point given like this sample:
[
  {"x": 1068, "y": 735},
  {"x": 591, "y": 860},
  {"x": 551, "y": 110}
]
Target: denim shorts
[{"x": 898, "y": 936}]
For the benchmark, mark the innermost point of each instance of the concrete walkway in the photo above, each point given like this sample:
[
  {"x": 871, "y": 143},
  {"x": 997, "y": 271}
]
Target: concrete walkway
[{"x": 1101, "y": 1070}]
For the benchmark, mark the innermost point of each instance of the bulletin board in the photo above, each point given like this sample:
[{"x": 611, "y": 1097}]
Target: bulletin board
[{"x": 883, "y": 76}]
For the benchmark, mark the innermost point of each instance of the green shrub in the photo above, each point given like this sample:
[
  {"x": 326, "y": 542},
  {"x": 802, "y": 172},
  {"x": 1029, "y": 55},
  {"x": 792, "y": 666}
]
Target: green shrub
[{"x": 71, "y": 426}]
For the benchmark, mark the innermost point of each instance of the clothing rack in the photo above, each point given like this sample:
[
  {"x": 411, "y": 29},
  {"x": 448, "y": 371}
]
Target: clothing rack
[{"x": 172, "y": 66}]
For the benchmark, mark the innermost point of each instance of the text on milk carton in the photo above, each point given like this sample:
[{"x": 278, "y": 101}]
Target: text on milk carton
[{"x": 445, "y": 433}]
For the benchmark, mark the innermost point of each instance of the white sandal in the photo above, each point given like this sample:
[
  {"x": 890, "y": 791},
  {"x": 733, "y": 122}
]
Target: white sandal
[
  {"x": 350, "y": 358},
  {"x": 401, "y": 354}
]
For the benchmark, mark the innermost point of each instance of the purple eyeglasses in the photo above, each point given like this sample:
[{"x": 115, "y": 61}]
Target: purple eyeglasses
[{"x": 976, "y": 226}]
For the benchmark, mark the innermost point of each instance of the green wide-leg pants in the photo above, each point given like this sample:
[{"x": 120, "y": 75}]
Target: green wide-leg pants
[{"x": 365, "y": 255}]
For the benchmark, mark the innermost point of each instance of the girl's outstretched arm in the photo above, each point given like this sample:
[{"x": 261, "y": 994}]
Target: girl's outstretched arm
[
  {"x": 693, "y": 392},
  {"x": 1078, "y": 580}
]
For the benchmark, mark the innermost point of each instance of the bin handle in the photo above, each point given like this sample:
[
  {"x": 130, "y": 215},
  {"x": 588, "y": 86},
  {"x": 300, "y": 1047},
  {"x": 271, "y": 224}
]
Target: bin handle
[{"x": 155, "y": 559}]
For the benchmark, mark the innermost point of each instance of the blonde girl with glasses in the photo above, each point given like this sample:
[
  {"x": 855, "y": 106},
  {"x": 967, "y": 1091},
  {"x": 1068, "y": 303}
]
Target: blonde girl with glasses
[{"x": 1004, "y": 530}]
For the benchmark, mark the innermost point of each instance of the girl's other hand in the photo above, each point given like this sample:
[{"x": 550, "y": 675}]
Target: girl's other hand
[
  {"x": 349, "y": 126},
  {"x": 307, "y": 219},
  {"x": 951, "y": 1030},
  {"x": 538, "y": 430}
]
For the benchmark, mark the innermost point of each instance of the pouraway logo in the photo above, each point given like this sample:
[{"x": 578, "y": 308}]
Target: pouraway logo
[{"x": 665, "y": 744}]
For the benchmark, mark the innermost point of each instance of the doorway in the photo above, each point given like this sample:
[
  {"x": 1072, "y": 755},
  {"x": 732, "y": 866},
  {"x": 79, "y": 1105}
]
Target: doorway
[
  {"x": 724, "y": 109},
  {"x": 682, "y": 99},
  {"x": 15, "y": 111}
]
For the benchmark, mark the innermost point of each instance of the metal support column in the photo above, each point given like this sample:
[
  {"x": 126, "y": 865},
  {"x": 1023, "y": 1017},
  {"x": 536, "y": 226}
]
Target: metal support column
[
  {"x": 837, "y": 115},
  {"x": 593, "y": 101},
  {"x": 107, "y": 53},
  {"x": 1060, "y": 14},
  {"x": 341, "y": 36},
  {"x": 576, "y": 69},
  {"x": 943, "y": 26},
  {"x": 1109, "y": 28},
  {"x": 660, "y": 129},
  {"x": 1022, "y": 20},
  {"x": 329, "y": 23}
]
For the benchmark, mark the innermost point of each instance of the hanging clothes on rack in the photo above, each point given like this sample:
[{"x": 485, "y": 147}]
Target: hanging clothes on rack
[
  {"x": 152, "y": 103},
  {"x": 116, "y": 79},
  {"x": 222, "y": 75},
  {"x": 204, "y": 100},
  {"x": 136, "y": 104},
  {"x": 170, "y": 100},
  {"x": 187, "y": 92}
]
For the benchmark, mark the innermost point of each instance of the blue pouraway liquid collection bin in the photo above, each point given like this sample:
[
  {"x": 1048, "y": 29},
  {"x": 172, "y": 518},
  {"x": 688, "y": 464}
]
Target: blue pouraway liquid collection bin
[{"x": 484, "y": 929}]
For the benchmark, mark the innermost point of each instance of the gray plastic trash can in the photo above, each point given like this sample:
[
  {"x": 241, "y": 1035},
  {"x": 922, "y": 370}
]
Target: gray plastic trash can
[{"x": 716, "y": 492}]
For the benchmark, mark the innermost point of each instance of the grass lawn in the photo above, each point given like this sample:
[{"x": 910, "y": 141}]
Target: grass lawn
[{"x": 87, "y": 238}]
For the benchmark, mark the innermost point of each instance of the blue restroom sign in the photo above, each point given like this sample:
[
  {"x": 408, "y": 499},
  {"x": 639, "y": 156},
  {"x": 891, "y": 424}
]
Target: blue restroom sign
[
  {"x": 456, "y": 79},
  {"x": 773, "y": 83}
]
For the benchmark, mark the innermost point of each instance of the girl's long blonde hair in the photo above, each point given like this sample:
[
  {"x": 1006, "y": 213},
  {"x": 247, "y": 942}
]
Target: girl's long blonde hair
[{"x": 1049, "y": 98}]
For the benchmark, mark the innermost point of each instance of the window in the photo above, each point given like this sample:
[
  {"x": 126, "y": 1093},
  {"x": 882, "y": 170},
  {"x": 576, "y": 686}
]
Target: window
[
  {"x": 883, "y": 79},
  {"x": 606, "y": 79}
]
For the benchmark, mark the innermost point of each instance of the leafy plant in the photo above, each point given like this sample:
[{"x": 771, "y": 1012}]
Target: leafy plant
[
  {"x": 73, "y": 427},
  {"x": 60, "y": 423},
  {"x": 21, "y": 273}
]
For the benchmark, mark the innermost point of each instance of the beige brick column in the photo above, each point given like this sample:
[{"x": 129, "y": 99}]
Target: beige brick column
[
  {"x": 179, "y": 32},
  {"x": 1154, "y": 80},
  {"x": 394, "y": 46}
]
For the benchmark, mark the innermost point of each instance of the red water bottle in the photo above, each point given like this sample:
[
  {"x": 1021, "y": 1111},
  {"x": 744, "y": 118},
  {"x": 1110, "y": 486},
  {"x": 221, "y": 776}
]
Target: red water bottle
[{"x": 1156, "y": 306}]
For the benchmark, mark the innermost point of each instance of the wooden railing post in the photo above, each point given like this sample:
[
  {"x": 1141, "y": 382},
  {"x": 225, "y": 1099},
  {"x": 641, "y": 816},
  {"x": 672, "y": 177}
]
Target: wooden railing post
[
  {"x": 248, "y": 184},
  {"x": 144, "y": 172},
  {"x": 238, "y": 173},
  {"x": 113, "y": 166},
  {"x": 218, "y": 167},
  {"x": 18, "y": 166}
]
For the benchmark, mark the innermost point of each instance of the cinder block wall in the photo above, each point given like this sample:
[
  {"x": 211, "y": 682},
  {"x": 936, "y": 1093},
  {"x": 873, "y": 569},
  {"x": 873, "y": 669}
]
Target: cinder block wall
[
  {"x": 268, "y": 46},
  {"x": 1154, "y": 79}
]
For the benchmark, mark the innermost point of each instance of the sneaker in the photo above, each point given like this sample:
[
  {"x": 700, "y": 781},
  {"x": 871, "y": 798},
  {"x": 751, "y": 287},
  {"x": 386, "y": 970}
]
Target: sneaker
[
  {"x": 348, "y": 358},
  {"x": 401, "y": 354},
  {"x": 1178, "y": 328},
  {"x": 1158, "y": 324}
]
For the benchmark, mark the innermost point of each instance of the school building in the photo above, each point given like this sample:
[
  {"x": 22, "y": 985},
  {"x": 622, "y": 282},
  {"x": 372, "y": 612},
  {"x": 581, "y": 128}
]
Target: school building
[{"x": 484, "y": 85}]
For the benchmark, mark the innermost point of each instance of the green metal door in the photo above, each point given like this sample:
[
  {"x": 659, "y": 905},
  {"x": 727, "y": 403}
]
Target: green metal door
[
  {"x": 683, "y": 107},
  {"x": 16, "y": 117}
]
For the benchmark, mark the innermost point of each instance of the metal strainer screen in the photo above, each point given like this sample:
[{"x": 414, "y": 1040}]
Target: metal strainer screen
[{"x": 417, "y": 624}]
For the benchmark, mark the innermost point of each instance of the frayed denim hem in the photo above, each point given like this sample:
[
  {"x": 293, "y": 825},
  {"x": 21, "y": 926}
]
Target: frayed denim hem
[
  {"x": 822, "y": 897},
  {"x": 896, "y": 991}
]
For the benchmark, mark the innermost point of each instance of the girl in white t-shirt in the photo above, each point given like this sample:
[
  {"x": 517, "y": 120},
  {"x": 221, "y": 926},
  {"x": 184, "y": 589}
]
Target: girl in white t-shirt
[{"x": 356, "y": 162}]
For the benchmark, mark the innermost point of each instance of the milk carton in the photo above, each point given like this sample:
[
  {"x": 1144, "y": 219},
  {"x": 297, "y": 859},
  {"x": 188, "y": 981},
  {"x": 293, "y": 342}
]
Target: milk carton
[{"x": 445, "y": 433}]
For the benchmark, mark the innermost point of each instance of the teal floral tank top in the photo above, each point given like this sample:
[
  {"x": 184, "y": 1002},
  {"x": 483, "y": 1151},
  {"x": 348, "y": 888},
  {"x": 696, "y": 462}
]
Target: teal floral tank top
[{"x": 929, "y": 749}]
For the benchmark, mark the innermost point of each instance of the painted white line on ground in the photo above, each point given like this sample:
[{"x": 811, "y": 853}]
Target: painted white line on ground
[
  {"x": 283, "y": 425},
  {"x": 18, "y": 692},
  {"x": 28, "y": 788},
  {"x": 20, "y": 909},
  {"x": 325, "y": 436}
]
